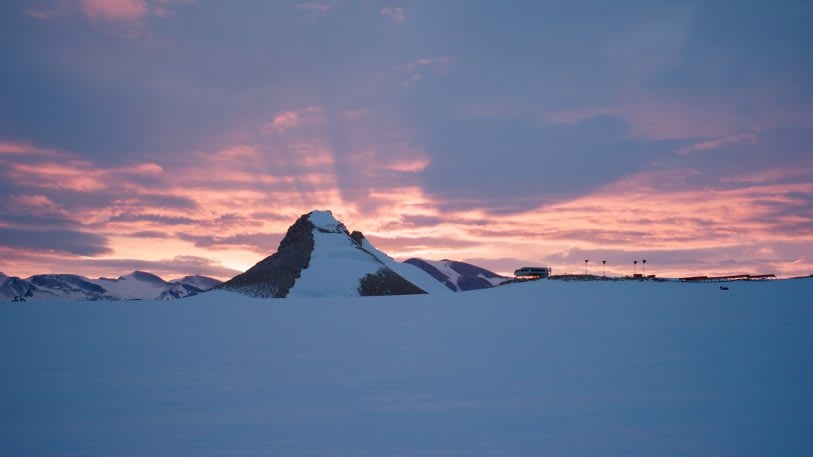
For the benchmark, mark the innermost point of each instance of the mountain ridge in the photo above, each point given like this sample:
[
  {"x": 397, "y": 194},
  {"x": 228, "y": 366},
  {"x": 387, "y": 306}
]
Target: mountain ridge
[
  {"x": 138, "y": 285},
  {"x": 458, "y": 276},
  {"x": 318, "y": 256}
]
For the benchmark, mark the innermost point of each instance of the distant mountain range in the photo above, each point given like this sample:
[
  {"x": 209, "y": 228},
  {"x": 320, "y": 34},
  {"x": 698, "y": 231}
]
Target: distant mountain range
[
  {"x": 138, "y": 285},
  {"x": 318, "y": 257}
]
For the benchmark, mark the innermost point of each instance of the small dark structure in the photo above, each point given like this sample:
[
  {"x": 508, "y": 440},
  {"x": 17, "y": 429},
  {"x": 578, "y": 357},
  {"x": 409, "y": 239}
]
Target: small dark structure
[{"x": 533, "y": 272}]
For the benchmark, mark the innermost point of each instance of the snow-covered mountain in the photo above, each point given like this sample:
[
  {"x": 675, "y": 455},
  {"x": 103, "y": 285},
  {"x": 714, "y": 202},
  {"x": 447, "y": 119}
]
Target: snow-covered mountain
[
  {"x": 201, "y": 282},
  {"x": 318, "y": 257},
  {"x": 13, "y": 288},
  {"x": 458, "y": 276},
  {"x": 138, "y": 285}
]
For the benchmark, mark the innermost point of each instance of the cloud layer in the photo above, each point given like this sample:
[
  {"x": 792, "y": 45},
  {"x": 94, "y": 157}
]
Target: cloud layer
[{"x": 149, "y": 133}]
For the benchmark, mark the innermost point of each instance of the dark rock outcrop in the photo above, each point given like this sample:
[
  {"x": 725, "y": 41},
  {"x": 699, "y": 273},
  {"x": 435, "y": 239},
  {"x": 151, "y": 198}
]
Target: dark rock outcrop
[
  {"x": 387, "y": 282},
  {"x": 274, "y": 276},
  {"x": 357, "y": 237}
]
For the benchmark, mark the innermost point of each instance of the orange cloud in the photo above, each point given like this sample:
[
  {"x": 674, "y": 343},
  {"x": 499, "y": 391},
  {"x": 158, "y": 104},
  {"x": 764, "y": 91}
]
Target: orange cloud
[{"x": 218, "y": 205}]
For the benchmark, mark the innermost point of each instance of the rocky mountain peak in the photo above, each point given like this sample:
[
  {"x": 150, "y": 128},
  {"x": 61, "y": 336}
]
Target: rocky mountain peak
[
  {"x": 325, "y": 222},
  {"x": 318, "y": 257}
]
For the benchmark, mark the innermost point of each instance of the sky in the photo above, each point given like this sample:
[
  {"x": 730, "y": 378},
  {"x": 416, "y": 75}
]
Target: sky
[{"x": 184, "y": 137}]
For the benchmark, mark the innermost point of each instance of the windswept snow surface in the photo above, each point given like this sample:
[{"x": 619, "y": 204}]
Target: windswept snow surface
[{"x": 542, "y": 368}]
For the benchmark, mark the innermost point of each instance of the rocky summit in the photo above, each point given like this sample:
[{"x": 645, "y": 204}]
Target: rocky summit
[{"x": 319, "y": 257}]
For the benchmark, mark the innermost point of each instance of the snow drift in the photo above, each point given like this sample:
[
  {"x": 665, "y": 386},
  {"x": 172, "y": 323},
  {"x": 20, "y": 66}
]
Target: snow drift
[{"x": 538, "y": 368}]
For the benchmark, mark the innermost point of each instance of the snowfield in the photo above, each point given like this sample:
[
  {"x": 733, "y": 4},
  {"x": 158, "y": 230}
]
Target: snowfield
[
  {"x": 322, "y": 278},
  {"x": 546, "y": 368}
]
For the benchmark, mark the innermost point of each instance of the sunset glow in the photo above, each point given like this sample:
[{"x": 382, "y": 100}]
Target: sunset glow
[{"x": 148, "y": 135}]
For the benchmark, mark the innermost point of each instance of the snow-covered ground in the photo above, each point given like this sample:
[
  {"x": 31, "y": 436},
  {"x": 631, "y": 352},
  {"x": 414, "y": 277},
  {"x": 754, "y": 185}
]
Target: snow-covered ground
[{"x": 545, "y": 368}]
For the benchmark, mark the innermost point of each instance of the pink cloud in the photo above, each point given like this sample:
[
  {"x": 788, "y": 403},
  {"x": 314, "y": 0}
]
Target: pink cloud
[
  {"x": 313, "y": 155},
  {"x": 438, "y": 64},
  {"x": 395, "y": 14},
  {"x": 663, "y": 118},
  {"x": 239, "y": 152},
  {"x": 744, "y": 138},
  {"x": 772, "y": 175},
  {"x": 110, "y": 11},
  {"x": 24, "y": 148},
  {"x": 315, "y": 7},
  {"x": 39, "y": 205},
  {"x": 416, "y": 70},
  {"x": 293, "y": 119},
  {"x": 43, "y": 11},
  {"x": 77, "y": 176},
  {"x": 409, "y": 165},
  {"x": 114, "y": 10},
  {"x": 576, "y": 116},
  {"x": 753, "y": 217},
  {"x": 284, "y": 121},
  {"x": 143, "y": 169}
]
